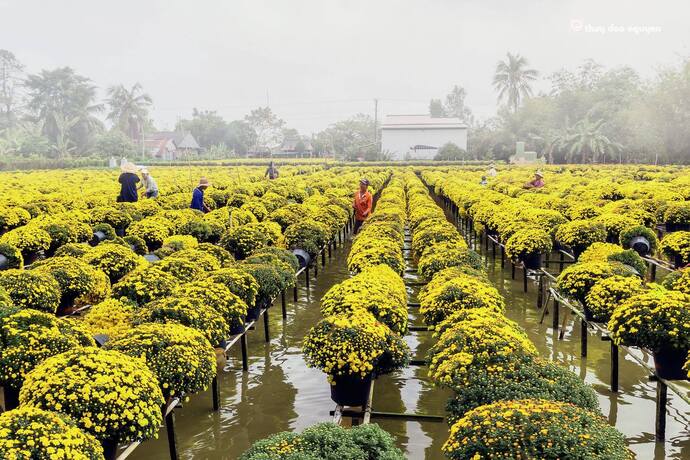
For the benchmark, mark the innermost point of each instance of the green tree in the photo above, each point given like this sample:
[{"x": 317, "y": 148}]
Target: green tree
[
  {"x": 436, "y": 109},
  {"x": 512, "y": 80},
  {"x": 350, "y": 139},
  {"x": 129, "y": 109},
  {"x": 11, "y": 71},
  {"x": 267, "y": 126},
  {"x": 451, "y": 152},
  {"x": 455, "y": 105},
  {"x": 64, "y": 104},
  {"x": 207, "y": 127},
  {"x": 586, "y": 141},
  {"x": 240, "y": 136},
  {"x": 114, "y": 143}
]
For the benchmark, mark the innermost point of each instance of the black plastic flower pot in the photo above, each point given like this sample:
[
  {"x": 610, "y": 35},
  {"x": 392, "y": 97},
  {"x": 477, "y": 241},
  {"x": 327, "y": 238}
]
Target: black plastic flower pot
[
  {"x": 109, "y": 449},
  {"x": 4, "y": 262},
  {"x": 679, "y": 262},
  {"x": 532, "y": 261},
  {"x": 236, "y": 328},
  {"x": 677, "y": 227},
  {"x": 350, "y": 390},
  {"x": 668, "y": 363},
  {"x": 302, "y": 256},
  {"x": 253, "y": 313},
  {"x": 11, "y": 397}
]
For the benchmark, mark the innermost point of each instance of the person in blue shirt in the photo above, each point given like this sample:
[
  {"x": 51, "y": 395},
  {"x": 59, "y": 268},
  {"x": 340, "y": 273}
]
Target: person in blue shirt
[
  {"x": 198, "y": 196},
  {"x": 128, "y": 183}
]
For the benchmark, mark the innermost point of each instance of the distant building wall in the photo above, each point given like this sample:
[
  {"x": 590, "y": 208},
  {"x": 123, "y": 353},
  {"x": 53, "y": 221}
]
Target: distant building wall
[{"x": 400, "y": 142}]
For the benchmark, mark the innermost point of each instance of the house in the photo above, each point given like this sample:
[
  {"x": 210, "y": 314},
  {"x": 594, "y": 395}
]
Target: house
[
  {"x": 418, "y": 137},
  {"x": 522, "y": 157},
  {"x": 170, "y": 145},
  {"x": 291, "y": 148}
]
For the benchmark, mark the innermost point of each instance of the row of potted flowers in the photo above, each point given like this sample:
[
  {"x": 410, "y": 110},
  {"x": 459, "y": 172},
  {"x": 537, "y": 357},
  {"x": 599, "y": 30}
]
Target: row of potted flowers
[
  {"x": 365, "y": 316},
  {"x": 161, "y": 320},
  {"x": 507, "y": 402}
]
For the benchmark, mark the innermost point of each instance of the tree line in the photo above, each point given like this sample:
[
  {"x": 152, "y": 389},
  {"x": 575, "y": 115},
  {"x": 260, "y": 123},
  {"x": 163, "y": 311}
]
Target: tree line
[{"x": 590, "y": 114}]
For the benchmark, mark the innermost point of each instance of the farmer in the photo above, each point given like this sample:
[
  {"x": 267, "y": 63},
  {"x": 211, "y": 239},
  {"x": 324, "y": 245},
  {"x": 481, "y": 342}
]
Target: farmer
[
  {"x": 537, "y": 182},
  {"x": 362, "y": 204},
  {"x": 492, "y": 170},
  {"x": 128, "y": 180},
  {"x": 483, "y": 182},
  {"x": 148, "y": 183},
  {"x": 272, "y": 171},
  {"x": 198, "y": 196}
]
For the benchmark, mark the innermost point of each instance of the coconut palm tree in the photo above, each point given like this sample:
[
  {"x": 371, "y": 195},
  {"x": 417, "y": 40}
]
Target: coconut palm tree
[
  {"x": 512, "y": 80},
  {"x": 128, "y": 109},
  {"x": 586, "y": 141}
]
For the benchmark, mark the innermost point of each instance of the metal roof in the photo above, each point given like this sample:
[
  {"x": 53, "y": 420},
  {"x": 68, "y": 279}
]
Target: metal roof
[{"x": 421, "y": 121}]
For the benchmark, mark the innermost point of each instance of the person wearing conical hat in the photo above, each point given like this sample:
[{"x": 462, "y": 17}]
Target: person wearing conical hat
[
  {"x": 362, "y": 204},
  {"x": 537, "y": 182},
  {"x": 128, "y": 183},
  {"x": 198, "y": 196},
  {"x": 148, "y": 183}
]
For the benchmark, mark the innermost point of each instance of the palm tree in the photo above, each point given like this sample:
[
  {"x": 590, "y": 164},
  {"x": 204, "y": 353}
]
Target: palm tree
[
  {"x": 512, "y": 80},
  {"x": 587, "y": 140},
  {"x": 128, "y": 109}
]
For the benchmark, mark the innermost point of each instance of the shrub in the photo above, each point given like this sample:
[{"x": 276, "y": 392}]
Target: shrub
[
  {"x": 181, "y": 358},
  {"x": 217, "y": 296},
  {"x": 445, "y": 255},
  {"x": 153, "y": 231},
  {"x": 28, "y": 239},
  {"x": 629, "y": 233},
  {"x": 657, "y": 319},
  {"x": 677, "y": 213},
  {"x": 188, "y": 311},
  {"x": 576, "y": 281},
  {"x": 117, "y": 396},
  {"x": 13, "y": 255},
  {"x": 239, "y": 281},
  {"x": 578, "y": 235},
  {"x": 677, "y": 244},
  {"x": 607, "y": 293},
  {"x": 80, "y": 283},
  {"x": 527, "y": 378},
  {"x": 526, "y": 242},
  {"x": 271, "y": 280},
  {"x": 145, "y": 284},
  {"x": 30, "y": 432},
  {"x": 354, "y": 345},
  {"x": 308, "y": 235},
  {"x": 534, "y": 428},
  {"x": 112, "y": 317},
  {"x": 114, "y": 260},
  {"x": 242, "y": 241},
  {"x": 181, "y": 268},
  {"x": 31, "y": 289},
  {"x": 28, "y": 337}
]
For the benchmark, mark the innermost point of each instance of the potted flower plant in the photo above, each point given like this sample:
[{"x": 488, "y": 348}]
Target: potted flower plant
[
  {"x": 578, "y": 235},
  {"x": 351, "y": 350},
  {"x": 639, "y": 238},
  {"x": 658, "y": 320},
  {"x": 528, "y": 246},
  {"x": 676, "y": 246},
  {"x": 677, "y": 217}
]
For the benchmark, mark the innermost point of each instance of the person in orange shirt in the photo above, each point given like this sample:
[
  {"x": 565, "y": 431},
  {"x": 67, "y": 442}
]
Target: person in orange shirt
[{"x": 362, "y": 204}]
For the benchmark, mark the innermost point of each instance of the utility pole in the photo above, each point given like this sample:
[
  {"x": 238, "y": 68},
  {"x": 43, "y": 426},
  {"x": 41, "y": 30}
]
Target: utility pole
[{"x": 376, "y": 127}]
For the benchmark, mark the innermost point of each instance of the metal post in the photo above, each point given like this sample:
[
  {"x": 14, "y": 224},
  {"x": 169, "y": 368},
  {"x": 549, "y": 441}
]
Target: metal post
[
  {"x": 661, "y": 400},
  {"x": 652, "y": 273},
  {"x": 294, "y": 292},
  {"x": 306, "y": 273},
  {"x": 316, "y": 267},
  {"x": 583, "y": 338},
  {"x": 215, "y": 392},
  {"x": 560, "y": 268},
  {"x": 493, "y": 250},
  {"x": 540, "y": 291},
  {"x": 554, "y": 321},
  {"x": 245, "y": 359},
  {"x": 503, "y": 257},
  {"x": 614, "y": 367},
  {"x": 512, "y": 271},
  {"x": 283, "y": 304},
  {"x": 524, "y": 278},
  {"x": 329, "y": 250},
  {"x": 323, "y": 256},
  {"x": 267, "y": 334},
  {"x": 172, "y": 437}
]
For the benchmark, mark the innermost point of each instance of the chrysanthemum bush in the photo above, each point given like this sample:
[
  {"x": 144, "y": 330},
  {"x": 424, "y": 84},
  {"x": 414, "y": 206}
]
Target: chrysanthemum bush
[
  {"x": 217, "y": 296},
  {"x": 676, "y": 245},
  {"x": 327, "y": 441},
  {"x": 444, "y": 255},
  {"x": 28, "y": 337},
  {"x": 378, "y": 290},
  {"x": 578, "y": 235},
  {"x": 80, "y": 283},
  {"x": 153, "y": 230},
  {"x": 534, "y": 428},
  {"x": 440, "y": 298},
  {"x": 577, "y": 280},
  {"x": 182, "y": 359},
  {"x": 238, "y": 281},
  {"x": 608, "y": 293},
  {"x": 354, "y": 344},
  {"x": 243, "y": 240},
  {"x": 29, "y": 432},
  {"x": 113, "y": 259},
  {"x": 656, "y": 319},
  {"x": 183, "y": 269},
  {"x": 13, "y": 255},
  {"x": 145, "y": 284},
  {"x": 112, "y": 317},
  {"x": 31, "y": 289},
  {"x": 526, "y": 242},
  {"x": 28, "y": 239},
  {"x": 108, "y": 394},
  {"x": 308, "y": 235}
]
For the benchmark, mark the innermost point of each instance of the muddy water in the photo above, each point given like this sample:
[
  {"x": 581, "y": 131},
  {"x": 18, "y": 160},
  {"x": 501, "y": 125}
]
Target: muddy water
[
  {"x": 632, "y": 409},
  {"x": 280, "y": 393}
]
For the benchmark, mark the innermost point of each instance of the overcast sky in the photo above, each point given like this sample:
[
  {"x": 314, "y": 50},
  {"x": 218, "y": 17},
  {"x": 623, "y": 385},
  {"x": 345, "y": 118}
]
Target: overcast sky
[{"x": 319, "y": 61}]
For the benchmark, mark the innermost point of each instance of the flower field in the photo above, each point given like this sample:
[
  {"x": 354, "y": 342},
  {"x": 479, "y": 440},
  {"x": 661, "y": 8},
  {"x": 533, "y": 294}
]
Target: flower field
[{"x": 111, "y": 311}]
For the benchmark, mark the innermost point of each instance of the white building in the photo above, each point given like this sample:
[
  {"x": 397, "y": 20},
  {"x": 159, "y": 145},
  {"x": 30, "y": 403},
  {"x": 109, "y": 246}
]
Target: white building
[{"x": 418, "y": 137}]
